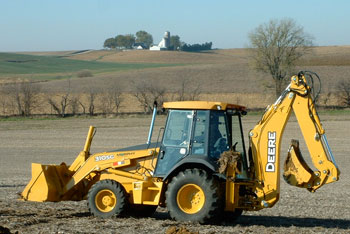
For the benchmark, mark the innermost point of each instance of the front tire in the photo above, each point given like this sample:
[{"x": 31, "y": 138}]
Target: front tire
[
  {"x": 106, "y": 198},
  {"x": 193, "y": 195}
]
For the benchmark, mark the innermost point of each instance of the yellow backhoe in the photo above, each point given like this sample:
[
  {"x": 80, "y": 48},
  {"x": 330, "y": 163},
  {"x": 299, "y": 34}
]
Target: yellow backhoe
[{"x": 198, "y": 167}]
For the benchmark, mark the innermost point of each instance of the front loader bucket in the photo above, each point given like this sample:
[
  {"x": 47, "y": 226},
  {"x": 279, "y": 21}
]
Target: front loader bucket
[
  {"x": 296, "y": 171},
  {"x": 47, "y": 183}
]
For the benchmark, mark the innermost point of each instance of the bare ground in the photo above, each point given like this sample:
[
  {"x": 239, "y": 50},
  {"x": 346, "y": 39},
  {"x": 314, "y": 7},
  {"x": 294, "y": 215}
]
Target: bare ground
[{"x": 53, "y": 141}]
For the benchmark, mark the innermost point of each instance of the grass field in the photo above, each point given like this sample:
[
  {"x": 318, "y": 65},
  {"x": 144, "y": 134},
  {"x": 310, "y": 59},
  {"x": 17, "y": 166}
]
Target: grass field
[{"x": 53, "y": 67}]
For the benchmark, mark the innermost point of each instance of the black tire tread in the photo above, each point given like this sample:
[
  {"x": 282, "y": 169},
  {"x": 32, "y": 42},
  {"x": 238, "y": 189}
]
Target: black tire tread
[
  {"x": 119, "y": 192},
  {"x": 214, "y": 205}
]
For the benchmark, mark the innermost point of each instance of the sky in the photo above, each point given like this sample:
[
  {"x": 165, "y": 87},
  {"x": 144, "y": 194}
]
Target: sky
[{"x": 56, "y": 25}]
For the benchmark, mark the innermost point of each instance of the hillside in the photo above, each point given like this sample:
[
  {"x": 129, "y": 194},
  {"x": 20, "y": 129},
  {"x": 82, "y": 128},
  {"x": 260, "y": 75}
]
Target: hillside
[
  {"x": 223, "y": 75},
  {"x": 217, "y": 71},
  {"x": 48, "y": 66}
]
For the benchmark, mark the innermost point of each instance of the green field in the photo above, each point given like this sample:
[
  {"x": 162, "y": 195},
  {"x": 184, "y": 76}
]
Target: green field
[{"x": 53, "y": 67}]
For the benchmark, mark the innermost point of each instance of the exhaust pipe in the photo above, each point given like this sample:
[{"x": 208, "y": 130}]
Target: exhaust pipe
[{"x": 152, "y": 123}]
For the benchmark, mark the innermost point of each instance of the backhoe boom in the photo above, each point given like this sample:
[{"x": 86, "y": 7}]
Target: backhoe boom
[{"x": 265, "y": 142}]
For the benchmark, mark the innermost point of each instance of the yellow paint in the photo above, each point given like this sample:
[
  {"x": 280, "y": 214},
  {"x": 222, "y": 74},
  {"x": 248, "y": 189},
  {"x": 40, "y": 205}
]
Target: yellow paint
[
  {"x": 273, "y": 122},
  {"x": 201, "y": 105},
  {"x": 105, "y": 200},
  {"x": 190, "y": 198},
  {"x": 296, "y": 171}
]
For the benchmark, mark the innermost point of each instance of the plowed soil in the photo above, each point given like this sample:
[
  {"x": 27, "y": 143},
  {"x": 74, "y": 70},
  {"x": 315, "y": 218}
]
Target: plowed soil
[{"x": 53, "y": 141}]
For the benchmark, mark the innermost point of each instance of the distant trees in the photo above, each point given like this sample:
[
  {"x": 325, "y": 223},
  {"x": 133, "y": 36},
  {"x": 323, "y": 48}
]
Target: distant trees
[
  {"x": 110, "y": 43},
  {"x": 144, "y": 37},
  {"x": 24, "y": 97},
  {"x": 196, "y": 47},
  {"x": 59, "y": 102},
  {"x": 125, "y": 41},
  {"x": 343, "y": 92},
  {"x": 128, "y": 40},
  {"x": 276, "y": 47},
  {"x": 189, "y": 90},
  {"x": 111, "y": 99},
  {"x": 120, "y": 41},
  {"x": 148, "y": 93},
  {"x": 175, "y": 43}
]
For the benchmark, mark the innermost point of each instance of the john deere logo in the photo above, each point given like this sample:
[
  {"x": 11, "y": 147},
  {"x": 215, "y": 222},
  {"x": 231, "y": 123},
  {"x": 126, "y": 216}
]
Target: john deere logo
[{"x": 271, "y": 152}]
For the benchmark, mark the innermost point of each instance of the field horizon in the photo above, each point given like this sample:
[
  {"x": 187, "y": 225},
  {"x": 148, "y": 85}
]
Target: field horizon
[{"x": 220, "y": 75}]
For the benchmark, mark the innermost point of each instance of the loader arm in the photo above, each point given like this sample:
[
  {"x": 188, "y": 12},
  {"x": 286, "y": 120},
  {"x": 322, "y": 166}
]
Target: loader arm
[{"x": 265, "y": 142}]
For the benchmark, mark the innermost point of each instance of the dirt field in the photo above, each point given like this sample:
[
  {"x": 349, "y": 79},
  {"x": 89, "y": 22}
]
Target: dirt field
[{"x": 53, "y": 141}]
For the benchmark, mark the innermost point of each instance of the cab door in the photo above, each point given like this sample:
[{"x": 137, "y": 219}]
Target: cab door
[{"x": 176, "y": 140}]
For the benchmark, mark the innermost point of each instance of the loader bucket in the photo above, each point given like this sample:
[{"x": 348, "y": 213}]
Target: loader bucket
[
  {"x": 47, "y": 183},
  {"x": 296, "y": 171}
]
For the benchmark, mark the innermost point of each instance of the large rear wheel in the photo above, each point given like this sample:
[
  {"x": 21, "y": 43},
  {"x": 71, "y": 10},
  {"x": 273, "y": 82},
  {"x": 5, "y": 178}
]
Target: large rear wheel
[
  {"x": 106, "y": 198},
  {"x": 193, "y": 195}
]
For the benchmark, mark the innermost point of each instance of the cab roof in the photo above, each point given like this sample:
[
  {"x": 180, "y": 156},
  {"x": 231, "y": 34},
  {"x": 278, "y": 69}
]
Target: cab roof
[{"x": 202, "y": 105}]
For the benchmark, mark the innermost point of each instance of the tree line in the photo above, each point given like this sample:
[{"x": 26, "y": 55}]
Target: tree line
[
  {"x": 26, "y": 98},
  {"x": 145, "y": 39},
  {"x": 127, "y": 41},
  {"x": 197, "y": 47}
]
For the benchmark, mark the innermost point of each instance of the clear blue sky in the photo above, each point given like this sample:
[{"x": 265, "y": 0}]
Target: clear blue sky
[{"x": 52, "y": 25}]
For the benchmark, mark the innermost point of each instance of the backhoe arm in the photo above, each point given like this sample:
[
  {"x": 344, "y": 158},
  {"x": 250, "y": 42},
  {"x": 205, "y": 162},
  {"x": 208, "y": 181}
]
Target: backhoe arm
[
  {"x": 316, "y": 141},
  {"x": 265, "y": 141}
]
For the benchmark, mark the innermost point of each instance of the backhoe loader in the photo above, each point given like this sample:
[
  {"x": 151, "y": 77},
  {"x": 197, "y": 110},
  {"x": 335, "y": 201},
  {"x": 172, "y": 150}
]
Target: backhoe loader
[{"x": 198, "y": 168}]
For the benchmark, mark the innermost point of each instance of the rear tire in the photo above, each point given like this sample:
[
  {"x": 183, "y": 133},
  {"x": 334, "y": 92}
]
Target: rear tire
[
  {"x": 106, "y": 198},
  {"x": 193, "y": 195}
]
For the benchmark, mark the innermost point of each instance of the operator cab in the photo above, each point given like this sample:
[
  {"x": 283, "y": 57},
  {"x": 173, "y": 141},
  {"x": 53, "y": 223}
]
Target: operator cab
[{"x": 197, "y": 132}]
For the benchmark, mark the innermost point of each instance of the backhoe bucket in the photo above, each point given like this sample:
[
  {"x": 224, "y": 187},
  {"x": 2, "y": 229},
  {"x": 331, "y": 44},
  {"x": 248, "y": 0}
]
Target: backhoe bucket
[
  {"x": 47, "y": 183},
  {"x": 296, "y": 171}
]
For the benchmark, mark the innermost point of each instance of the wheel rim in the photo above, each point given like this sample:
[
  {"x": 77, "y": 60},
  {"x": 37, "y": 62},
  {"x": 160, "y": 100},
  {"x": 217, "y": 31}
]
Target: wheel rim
[
  {"x": 105, "y": 200},
  {"x": 190, "y": 198}
]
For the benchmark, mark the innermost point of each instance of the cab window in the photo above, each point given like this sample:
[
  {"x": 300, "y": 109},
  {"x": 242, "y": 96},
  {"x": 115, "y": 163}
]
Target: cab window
[
  {"x": 218, "y": 137},
  {"x": 178, "y": 129},
  {"x": 200, "y": 133}
]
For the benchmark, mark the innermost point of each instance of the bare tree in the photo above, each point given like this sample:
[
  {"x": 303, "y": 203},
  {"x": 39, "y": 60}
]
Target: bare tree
[
  {"x": 93, "y": 93},
  {"x": 25, "y": 96},
  {"x": 60, "y": 105},
  {"x": 111, "y": 100},
  {"x": 343, "y": 92},
  {"x": 74, "y": 103},
  {"x": 189, "y": 90},
  {"x": 4, "y": 102},
  {"x": 117, "y": 98},
  {"x": 277, "y": 46},
  {"x": 82, "y": 106},
  {"x": 147, "y": 94},
  {"x": 4, "y": 105},
  {"x": 182, "y": 90},
  {"x": 60, "y": 102}
]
